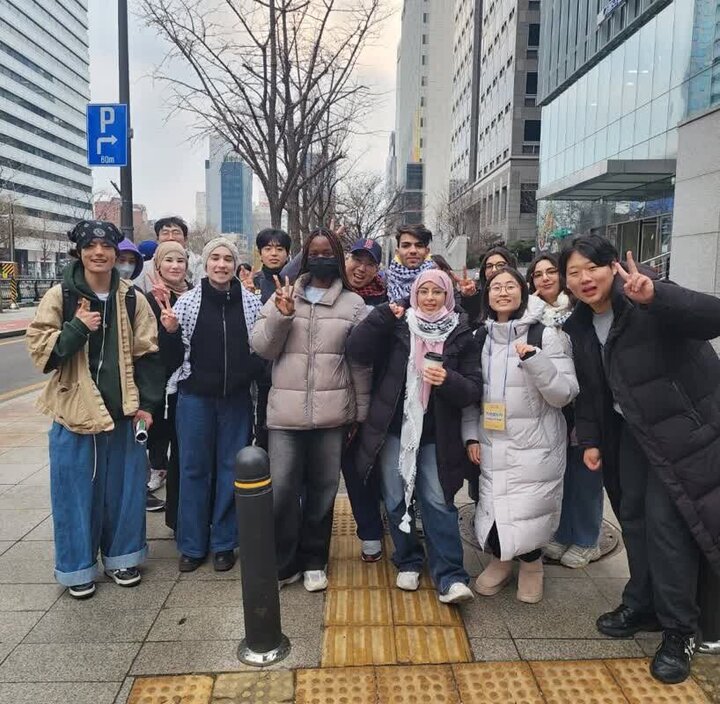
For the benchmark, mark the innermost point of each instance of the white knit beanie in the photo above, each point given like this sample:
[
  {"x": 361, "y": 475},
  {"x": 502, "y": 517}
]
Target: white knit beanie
[{"x": 216, "y": 242}]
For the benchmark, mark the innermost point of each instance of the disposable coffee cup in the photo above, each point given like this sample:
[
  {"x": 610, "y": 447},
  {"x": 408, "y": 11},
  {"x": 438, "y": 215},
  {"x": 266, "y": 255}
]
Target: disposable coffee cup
[
  {"x": 433, "y": 360},
  {"x": 141, "y": 434}
]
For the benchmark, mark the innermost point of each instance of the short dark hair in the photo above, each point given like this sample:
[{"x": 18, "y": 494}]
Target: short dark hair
[
  {"x": 442, "y": 263},
  {"x": 488, "y": 312},
  {"x": 597, "y": 249},
  {"x": 169, "y": 222},
  {"x": 544, "y": 257},
  {"x": 244, "y": 265},
  {"x": 419, "y": 231},
  {"x": 270, "y": 235},
  {"x": 337, "y": 249},
  {"x": 504, "y": 252}
]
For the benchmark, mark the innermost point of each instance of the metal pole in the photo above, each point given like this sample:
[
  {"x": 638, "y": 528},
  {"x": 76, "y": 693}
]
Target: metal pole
[
  {"x": 264, "y": 642},
  {"x": 12, "y": 232},
  {"x": 126, "y": 210}
]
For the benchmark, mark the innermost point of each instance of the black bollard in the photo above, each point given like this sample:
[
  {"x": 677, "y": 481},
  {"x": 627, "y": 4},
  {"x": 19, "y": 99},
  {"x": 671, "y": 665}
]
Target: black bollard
[
  {"x": 264, "y": 642},
  {"x": 709, "y": 603}
]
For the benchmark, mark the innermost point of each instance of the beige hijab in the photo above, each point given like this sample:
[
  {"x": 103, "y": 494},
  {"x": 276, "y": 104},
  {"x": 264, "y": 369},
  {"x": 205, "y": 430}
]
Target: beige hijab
[{"x": 161, "y": 252}]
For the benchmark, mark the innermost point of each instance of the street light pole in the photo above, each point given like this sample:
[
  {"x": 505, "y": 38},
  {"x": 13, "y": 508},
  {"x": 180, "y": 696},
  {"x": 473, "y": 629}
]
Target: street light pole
[
  {"x": 126, "y": 210},
  {"x": 12, "y": 233}
]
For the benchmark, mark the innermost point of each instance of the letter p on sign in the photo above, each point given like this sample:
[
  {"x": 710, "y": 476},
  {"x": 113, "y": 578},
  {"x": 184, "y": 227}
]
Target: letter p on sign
[{"x": 107, "y": 117}]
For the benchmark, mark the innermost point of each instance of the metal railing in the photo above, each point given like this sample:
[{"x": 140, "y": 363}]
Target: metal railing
[
  {"x": 29, "y": 290},
  {"x": 661, "y": 264}
]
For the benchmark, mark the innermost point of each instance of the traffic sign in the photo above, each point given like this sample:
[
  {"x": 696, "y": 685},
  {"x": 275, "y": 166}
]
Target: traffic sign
[{"x": 107, "y": 135}]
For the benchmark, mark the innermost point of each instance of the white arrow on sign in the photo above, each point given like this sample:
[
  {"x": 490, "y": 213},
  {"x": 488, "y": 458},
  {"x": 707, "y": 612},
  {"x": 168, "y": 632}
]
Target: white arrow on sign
[{"x": 105, "y": 140}]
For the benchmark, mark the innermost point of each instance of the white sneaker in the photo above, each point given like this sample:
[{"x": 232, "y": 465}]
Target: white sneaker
[
  {"x": 408, "y": 581},
  {"x": 157, "y": 479},
  {"x": 554, "y": 550},
  {"x": 577, "y": 557},
  {"x": 289, "y": 580},
  {"x": 315, "y": 580},
  {"x": 456, "y": 594}
]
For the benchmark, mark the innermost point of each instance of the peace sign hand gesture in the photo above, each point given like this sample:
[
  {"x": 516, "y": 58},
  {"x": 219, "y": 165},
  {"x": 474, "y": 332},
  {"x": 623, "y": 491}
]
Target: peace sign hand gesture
[
  {"x": 466, "y": 286},
  {"x": 168, "y": 318},
  {"x": 639, "y": 288},
  {"x": 246, "y": 279},
  {"x": 284, "y": 300}
]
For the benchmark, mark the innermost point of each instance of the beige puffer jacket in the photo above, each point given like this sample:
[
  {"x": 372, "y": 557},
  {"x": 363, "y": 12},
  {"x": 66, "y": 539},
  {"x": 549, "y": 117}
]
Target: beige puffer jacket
[{"x": 313, "y": 383}]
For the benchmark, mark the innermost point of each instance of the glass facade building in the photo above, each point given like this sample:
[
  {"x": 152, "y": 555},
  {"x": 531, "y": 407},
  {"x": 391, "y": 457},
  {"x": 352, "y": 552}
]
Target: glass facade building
[{"x": 236, "y": 196}]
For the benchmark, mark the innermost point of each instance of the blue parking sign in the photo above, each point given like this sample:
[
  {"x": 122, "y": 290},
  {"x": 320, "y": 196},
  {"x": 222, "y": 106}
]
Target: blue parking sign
[{"x": 107, "y": 135}]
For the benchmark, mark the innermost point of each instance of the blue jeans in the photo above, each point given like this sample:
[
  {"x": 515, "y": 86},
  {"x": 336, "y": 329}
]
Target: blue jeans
[
  {"x": 582, "y": 506},
  {"x": 440, "y": 519},
  {"x": 97, "y": 491},
  {"x": 211, "y": 431}
]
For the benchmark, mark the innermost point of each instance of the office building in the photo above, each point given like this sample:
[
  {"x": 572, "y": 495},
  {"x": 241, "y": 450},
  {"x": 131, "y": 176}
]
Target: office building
[
  {"x": 200, "y": 209},
  {"x": 495, "y": 122},
  {"x": 45, "y": 184},
  {"x": 619, "y": 88}
]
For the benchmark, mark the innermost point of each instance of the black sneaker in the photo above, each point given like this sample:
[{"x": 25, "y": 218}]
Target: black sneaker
[
  {"x": 190, "y": 564},
  {"x": 224, "y": 560},
  {"x": 125, "y": 578},
  {"x": 625, "y": 622},
  {"x": 671, "y": 664},
  {"x": 152, "y": 503},
  {"x": 82, "y": 591}
]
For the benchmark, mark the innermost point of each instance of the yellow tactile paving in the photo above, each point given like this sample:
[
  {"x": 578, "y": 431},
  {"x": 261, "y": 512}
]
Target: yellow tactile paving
[
  {"x": 422, "y": 608},
  {"x": 361, "y": 607},
  {"x": 344, "y": 547},
  {"x": 639, "y": 687},
  {"x": 356, "y": 574},
  {"x": 416, "y": 645},
  {"x": 497, "y": 683},
  {"x": 188, "y": 689},
  {"x": 346, "y": 646},
  {"x": 253, "y": 687},
  {"x": 351, "y": 685},
  {"x": 570, "y": 682},
  {"x": 343, "y": 521},
  {"x": 416, "y": 685}
]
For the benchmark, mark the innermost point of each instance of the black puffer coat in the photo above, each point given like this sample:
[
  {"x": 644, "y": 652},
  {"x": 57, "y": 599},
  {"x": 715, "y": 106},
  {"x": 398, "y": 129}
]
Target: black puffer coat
[
  {"x": 666, "y": 378},
  {"x": 384, "y": 341}
]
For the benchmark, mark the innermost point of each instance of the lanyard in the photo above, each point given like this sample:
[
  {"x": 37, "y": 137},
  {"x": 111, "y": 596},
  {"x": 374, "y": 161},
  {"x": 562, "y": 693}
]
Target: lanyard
[{"x": 507, "y": 357}]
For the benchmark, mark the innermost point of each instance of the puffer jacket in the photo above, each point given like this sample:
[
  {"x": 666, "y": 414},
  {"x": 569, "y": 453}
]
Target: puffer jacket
[
  {"x": 522, "y": 467},
  {"x": 313, "y": 384}
]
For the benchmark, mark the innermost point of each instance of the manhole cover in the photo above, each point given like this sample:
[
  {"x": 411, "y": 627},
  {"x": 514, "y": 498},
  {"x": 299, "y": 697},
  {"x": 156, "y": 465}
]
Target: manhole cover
[{"x": 610, "y": 536}]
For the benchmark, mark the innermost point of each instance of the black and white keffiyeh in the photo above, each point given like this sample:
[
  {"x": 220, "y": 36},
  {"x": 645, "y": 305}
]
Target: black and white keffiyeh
[{"x": 400, "y": 279}]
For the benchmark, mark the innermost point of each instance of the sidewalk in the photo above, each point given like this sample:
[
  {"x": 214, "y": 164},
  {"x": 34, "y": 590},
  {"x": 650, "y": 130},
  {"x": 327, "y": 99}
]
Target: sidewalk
[
  {"x": 174, "y": 638},
  {"x": 13, "y": 323}
]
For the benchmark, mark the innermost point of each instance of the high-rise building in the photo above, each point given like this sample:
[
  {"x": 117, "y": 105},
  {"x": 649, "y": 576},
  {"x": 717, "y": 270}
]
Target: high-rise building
[
  {"x": 495, "y": 122},
  {"x": 228, "y": 192},
  {"x": 422, "y": 112},
  {"x": 45, "y": 184},
  {"x": 200, "y": 209}
]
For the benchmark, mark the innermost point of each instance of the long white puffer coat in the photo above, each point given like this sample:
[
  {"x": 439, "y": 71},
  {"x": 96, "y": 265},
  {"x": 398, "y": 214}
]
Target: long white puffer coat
[{"x": 522, "y": 467}]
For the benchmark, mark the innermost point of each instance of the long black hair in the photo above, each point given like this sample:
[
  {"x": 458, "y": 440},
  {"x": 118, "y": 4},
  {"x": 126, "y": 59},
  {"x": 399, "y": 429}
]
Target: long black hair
[
  {"x": 488, "y": 312},
  {"x": 337, "y": 249},
  {"x": 505, "y": 253},
  {"x": 546, "y": 257}
]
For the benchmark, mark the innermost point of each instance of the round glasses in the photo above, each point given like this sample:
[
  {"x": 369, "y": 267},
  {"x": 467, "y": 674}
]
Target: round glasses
[
  {"x": 508, "y": 288},
  {"x": 495, "y": 267}
]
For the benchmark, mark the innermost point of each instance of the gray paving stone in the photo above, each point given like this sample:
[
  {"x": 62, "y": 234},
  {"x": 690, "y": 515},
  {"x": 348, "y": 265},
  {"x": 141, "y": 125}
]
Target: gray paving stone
[
  {"x": 15, "y": 524},
  {"x": 31, "y": 550},
  {"x": 6, "y": 487},
  {"x": 28, "y": 597},
  {"x": 493, "y": 649},
  {"x": 192, "y": 595},
  {"x": 43, "y": 531},
  {"x": 39, "y": 478},
  {"x": 75, "y": 692},
  {"x": 5, "y": 650},
  {"x": 612, "y": 588},
  {"x": 15, "y": 625},
  {"x": 124, "y": 694},
  {"x": 147, "y": 595},
  {"x": 156, "y": 528},
  {"x": 648, "y": 642},
  {"x": 5, "y": 545},
  {"x": 554, "y": 649},
  {"x": 37, "y": 456},
  {"x": 15, "y": 473},
  {"x": 84, "y": 662},
  {"x": 614, "y": 565},
  {"x": 206, "y": 572},
  {"x": 557, "y": 571},
  {"x": 14, "y": 571},
  {"x": 93, "y": 626},
  {"x": 484, "y": 618},
  {"x": 184, "y": 624},
  {"x": 569, "y": 609},
  {"x": 163, "y": 549},
  {"x": 159, "y": 570}
]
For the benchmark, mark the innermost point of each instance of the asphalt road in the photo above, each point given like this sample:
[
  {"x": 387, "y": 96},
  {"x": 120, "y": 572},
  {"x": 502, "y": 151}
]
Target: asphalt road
[{"x": 16, "y": 369}]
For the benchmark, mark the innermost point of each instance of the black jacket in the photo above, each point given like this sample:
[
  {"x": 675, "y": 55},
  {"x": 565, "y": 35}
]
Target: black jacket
[
  {"x": 665, "y": 376},
  {"x": 383, "y": 339},
  {"x": 265, "y": 283}
]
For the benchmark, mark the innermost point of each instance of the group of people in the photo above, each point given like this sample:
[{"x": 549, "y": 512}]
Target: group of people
[{"x": 408, "y": 380}]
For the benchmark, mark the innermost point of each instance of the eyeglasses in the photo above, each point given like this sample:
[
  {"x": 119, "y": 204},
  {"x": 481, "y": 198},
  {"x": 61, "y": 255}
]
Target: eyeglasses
[
  {"x": 548, "y": 272},
  {"x": 495, "y": 267},
  {"x": 508, "y": 288}
]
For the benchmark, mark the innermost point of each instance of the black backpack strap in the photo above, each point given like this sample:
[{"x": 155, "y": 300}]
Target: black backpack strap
[
  {"x": 535, "y": 335},
  {"x": 69, "y": 303},
  {"x": 131, "y": 305},
  {"x": 481, "y": 335}
]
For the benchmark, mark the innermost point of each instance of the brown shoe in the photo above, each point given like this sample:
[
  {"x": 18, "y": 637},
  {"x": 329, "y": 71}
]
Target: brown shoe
[
  {"x": 530, "y": 582},
  {"x": 494, "y": 577}
]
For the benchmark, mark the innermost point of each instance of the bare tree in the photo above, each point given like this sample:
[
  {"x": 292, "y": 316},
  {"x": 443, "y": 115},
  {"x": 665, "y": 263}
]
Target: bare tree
[
  {"x": 199, "y": 236},
  {"x": 269, "y": 76},
  {"x": 450, "y": 218}
]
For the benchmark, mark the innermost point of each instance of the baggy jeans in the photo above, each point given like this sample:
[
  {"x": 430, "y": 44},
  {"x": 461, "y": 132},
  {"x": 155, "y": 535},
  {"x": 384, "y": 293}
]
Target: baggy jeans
[
  {"x": 97, "y": 492},
  {"x": 440, "y": 519},
  {"x": 211, "y": 431}
]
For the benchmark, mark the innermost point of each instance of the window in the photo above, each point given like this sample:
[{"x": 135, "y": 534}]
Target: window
[
  {"x": 531, "y": 82},
  {"x": 532, "y": 131},
  {"x": 533, "y": 35},
  {"x": 528, "y": 203}
]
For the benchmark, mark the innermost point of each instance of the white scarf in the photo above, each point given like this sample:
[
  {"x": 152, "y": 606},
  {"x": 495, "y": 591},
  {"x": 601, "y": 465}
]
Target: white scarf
[
  {"x": 413, "y": 412},
  {"x": 555, "y": 314}
]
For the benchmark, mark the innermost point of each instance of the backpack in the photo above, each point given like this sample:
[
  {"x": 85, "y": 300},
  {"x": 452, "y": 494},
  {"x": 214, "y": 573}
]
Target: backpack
[
  {"x": 70, "y": 303},
  {"x": 534, "y": 336}
]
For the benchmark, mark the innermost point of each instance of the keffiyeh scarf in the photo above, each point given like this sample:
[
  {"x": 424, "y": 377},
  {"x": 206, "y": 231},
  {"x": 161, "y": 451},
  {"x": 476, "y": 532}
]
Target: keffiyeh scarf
[{"x": 400, "y": 279}]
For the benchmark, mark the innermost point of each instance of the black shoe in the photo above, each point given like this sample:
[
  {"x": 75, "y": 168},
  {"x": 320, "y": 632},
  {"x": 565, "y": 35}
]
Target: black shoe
[
  {"x": 152, "y": 503},
  {"x": 128, "y": 577},
  {"x": 82, "y": 591},
  {"x": 624, "y": 622},
  {"x": 190, "y": 564},
  {"x": 671, "y": 664},
  {"x": 224, "y": 561}
]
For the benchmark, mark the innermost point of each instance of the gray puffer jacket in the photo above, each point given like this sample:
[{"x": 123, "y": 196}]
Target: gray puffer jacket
[{"x": 313, "y": 384}]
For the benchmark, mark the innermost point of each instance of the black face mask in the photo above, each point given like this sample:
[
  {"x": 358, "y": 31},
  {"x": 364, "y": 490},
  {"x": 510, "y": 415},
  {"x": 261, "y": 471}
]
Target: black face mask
[{"x": 323, "y": 268}]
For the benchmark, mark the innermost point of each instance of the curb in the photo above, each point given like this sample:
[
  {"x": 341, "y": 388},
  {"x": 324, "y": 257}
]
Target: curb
[{"x": 12, "y": 333}]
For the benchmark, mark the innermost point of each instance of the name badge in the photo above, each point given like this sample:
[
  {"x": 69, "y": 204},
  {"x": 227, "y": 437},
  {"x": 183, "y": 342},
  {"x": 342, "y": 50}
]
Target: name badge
[{"x": 494, "y": 416}]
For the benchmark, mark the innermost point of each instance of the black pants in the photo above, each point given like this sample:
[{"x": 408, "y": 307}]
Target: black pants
[
  {"x": 161, "y": 438},
  {"x": 260, "y": 431},
  {"x": 663, "y": 557},
  {"x": 493, "y": 542}
]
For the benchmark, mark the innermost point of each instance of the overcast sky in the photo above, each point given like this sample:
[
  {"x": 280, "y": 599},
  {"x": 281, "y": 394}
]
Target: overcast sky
[{"x": 168, "y": 167}]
